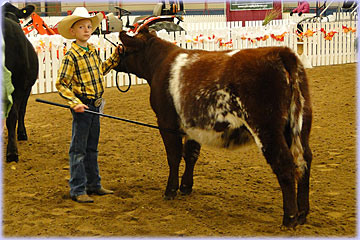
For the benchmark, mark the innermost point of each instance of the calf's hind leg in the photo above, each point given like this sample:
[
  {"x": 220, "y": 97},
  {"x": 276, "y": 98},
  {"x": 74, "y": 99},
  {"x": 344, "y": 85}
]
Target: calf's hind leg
[
  {"x": 303, "y": 188},
  {"x": 21, "y": 130},
  {"x": 304, "y": 181},
  {"x": 191, "y": 153},
  {"x": 279, "y": 157}
]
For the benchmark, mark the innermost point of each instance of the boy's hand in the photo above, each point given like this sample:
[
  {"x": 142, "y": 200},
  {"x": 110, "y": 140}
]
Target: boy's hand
[
  {"x": 80, "y": 108},
  {"x": 120, "y": 49}
]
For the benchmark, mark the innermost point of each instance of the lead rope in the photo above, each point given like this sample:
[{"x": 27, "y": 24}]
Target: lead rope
[{"x": 122, "y": 56}]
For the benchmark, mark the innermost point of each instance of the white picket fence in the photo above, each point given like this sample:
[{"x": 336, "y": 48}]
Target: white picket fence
[
  {"x": 340, "y": 50},
  {"x": 211, "y": 36}
]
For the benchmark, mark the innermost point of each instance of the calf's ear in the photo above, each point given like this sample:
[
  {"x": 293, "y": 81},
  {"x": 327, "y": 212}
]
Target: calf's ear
[
  {"x": 26, "y": 11},
  {"x": 20, "y": 13},
  {"x": 153, "y": 32},
  {"x": 131, "y": 42},
  {"x": 144, "y": 29}
]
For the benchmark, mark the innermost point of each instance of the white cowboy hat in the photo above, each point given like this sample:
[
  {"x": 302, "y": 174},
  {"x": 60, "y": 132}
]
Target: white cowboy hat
[{"x": 79, "y": 13}]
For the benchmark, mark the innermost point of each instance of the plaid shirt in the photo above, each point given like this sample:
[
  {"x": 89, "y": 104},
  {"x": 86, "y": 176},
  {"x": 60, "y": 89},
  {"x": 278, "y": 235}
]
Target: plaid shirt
[{"x": 82, "y": 74}]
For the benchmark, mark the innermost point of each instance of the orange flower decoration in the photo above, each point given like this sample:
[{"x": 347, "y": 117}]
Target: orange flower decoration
[
  {"x": 279, "y": 38},
  {"x": 348, "y": 29},
  {"x": 330, "y": 35},
  {"x": 309, "y": 33}
]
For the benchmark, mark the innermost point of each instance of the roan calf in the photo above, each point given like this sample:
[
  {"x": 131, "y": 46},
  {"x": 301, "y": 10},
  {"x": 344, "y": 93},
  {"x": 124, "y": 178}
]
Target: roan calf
[{"x": 228, "y": 99}]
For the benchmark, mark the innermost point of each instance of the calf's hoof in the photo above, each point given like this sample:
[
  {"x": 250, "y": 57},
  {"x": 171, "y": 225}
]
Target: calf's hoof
[
  {"x": 290, "y": 221},
  {"x": 185, "y": 190},
  {"x": 22, "y": 137},
  {"x": 12, "y": 158},
  {"x": 170, "y": 194},
  {"x": 302, "y": 218}
]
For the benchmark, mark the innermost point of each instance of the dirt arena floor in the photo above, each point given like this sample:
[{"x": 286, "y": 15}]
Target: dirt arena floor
[{"x": 235, "y": 193}]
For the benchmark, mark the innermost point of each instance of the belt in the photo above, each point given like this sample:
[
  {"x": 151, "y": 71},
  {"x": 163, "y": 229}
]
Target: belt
[{"x": 95, "y": 102}]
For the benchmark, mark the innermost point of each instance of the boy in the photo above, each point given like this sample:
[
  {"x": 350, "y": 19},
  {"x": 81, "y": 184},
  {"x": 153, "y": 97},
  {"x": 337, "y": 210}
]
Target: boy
[{"x": 80, "y": 81}]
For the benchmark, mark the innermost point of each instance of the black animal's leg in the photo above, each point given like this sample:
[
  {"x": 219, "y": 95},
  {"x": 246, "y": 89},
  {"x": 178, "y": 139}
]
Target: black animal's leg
[
  {"x": 12, "y": 150},
  {"x": 21, "y": 130},
  {"x": 278, "y": 155},
  {"x": 303, "y": 188},
  {"x": 191, "y": 154},
  {"x": 304, "y": 181},
  {"x": 173, "y": 147}
]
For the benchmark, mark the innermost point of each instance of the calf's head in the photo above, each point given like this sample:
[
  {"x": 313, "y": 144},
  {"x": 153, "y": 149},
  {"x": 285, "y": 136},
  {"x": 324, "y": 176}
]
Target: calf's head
[
  {"x": 12, "y": 12},
  {"x": 134, "y": 49}
]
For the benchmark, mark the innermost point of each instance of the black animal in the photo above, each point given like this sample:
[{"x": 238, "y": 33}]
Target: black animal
[
  {"x": 229, "y": 99},
  {"x": 22, "y": 62}
]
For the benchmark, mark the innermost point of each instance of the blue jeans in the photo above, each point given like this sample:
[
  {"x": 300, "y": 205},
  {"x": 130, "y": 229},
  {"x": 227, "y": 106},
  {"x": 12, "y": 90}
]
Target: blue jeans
[{"x": 83, "y": 153}]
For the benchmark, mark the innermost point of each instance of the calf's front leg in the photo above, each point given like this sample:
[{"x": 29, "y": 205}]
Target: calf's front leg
[
  {"x": 173, "y": 147},
  {"x": 11, "y": 121}
]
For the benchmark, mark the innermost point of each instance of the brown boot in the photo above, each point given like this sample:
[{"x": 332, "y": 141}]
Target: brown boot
[
  {"x": 83, "y": 199},
  {"x": 100, "y": 191}
]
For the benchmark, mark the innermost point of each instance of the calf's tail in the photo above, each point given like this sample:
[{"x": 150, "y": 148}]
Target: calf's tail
[{"x": 294, "y": 68}]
